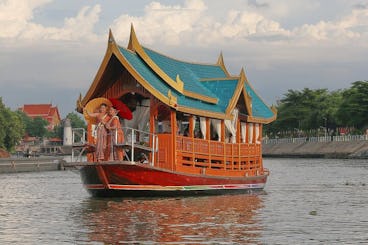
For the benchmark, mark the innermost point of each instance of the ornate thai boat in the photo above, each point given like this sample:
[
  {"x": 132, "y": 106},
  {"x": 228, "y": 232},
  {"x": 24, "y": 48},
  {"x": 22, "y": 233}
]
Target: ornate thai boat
[{"x": 195, "y": 130}]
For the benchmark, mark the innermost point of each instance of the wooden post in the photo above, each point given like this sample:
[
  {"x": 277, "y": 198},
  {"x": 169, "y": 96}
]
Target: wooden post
[
  {"x": 208, "y": 137},
  {"x": 191, "y": 126},
  {"x": 191, "y": 135},
  {"x": 238, "y": 135},
  {"x": 223, "y": 141},
  {"x": 152, "y": 141},
  {"x": 173, "y": 135}
]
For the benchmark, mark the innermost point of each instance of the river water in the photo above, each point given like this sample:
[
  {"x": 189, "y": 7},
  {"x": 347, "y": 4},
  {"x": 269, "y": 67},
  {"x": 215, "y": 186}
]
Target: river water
[{"x": 306, "y": 201}]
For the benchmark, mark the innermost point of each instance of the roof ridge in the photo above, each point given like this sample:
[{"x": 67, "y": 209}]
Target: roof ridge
[{"x": 183, "y": 61}]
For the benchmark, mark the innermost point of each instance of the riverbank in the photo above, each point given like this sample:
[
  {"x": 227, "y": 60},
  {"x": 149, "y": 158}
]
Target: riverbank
[
  {"x": 34, "y": 164},
  {"x": 332, "y": 149}
]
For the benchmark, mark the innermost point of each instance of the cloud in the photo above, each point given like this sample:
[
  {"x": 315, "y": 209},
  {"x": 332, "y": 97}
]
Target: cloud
[
  {"x": 15, "y": 16},
  {"x": 16, "y": 22},
  {"x": 349, "y": 28},
  {"x": 167, "y": 23},
  {"x": 191, "y": 22},
  {"x": 288, "y": 51}
]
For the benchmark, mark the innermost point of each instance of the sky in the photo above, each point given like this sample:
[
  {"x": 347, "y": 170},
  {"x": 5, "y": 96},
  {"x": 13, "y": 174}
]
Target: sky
[{"x": 50, "y": 50}]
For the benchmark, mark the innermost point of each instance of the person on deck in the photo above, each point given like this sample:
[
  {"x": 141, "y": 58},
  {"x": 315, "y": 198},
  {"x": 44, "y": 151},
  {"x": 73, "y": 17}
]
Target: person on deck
[
  {"x": 101, "y": 143},
  {"x": 116, "y": 135}
]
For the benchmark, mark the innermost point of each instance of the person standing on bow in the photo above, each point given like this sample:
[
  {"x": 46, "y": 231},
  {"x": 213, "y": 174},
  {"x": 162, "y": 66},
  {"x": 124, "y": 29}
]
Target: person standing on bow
[
  {"x": 116, "y": 135},
  {"x": 101, "y": 142}
]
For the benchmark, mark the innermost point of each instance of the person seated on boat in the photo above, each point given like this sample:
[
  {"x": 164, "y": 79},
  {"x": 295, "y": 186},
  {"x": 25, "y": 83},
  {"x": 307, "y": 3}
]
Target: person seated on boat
[
  {"x": 116, "y": 135},
  {"x": 198, "y": 134},
  {"x": 101, "y": 142}
]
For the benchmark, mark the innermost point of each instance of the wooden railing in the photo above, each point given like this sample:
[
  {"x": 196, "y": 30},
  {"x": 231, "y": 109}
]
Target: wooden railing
[{"x": 217, "y": 158}]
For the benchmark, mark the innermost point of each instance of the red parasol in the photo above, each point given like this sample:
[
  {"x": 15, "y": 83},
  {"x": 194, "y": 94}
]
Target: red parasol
[{"x": 123, "y": 109}]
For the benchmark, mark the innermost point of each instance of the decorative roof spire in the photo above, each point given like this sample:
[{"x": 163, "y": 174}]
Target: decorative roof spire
[
  {"x": 242, "y": 75},
  {"x": 111, "y": 37},
  {"x": 133, "y": 40},
  {"x": 221, "y": 63},
  {"x": 220, "y": 60}
]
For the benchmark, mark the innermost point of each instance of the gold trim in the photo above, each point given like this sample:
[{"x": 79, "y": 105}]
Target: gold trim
[
  {"x": 173, "y": 101},
  {"x": 248, "y": 101},
  {"x": 137, "y": 76},
  {"x": 134, "y": 45},
  {"x": 272, "y": 109},
  {"x": 199, "y": 112},
  {"x": 178, "y": 84},
  {"x": 200, "y": 97},
  {"x": 261, "y": 120},
  {"x": 132, "y": 34},
  {"x": 219, "y": 79},
  {"x": 234, "y": 100}
]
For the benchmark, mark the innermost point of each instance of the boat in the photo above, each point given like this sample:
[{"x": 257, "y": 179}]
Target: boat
[{"x": 194, "y": 128}]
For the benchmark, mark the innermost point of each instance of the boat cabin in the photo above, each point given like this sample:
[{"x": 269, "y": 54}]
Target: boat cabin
[{"x": 187, "y": 117}]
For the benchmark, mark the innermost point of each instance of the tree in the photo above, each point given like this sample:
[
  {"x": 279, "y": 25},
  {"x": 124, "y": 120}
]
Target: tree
[
  {"x": 37, "y": 127},
  {"x": 76, "y": 122},
  {"x": 354, "y": 107},
  {"x": 12, "y": 128},
  {"x": 306, "y": 110}
]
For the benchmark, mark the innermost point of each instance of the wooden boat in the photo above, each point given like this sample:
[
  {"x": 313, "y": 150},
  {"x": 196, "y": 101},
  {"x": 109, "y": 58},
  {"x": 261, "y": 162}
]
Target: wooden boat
[{"x": 196, "y": 129}]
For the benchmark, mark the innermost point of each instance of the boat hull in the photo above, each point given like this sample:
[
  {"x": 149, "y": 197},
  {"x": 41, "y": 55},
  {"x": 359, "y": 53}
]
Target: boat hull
[{"x": 140, "y": 180}]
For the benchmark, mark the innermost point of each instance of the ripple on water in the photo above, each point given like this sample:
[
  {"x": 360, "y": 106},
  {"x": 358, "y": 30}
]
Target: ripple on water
[{"x": 306, "y": 201}]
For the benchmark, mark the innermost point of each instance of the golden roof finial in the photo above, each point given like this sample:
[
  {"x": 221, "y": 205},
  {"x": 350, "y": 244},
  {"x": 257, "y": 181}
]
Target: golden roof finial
[{"x": 133, "y": 40}]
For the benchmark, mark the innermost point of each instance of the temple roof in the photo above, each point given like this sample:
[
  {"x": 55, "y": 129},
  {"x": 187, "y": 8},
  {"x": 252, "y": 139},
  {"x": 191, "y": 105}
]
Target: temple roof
[{"x": 199, "y": 89}]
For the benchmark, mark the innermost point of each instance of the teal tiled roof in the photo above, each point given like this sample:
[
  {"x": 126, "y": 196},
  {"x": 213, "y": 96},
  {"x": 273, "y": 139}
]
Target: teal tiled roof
[
  {"x": 138, "y": 64},
  {"x": 208, "y": 80},
  {"x": 259, "y": 108},
  {"x": 189, "y": 73},
  {"x": 224, "y": 89}
]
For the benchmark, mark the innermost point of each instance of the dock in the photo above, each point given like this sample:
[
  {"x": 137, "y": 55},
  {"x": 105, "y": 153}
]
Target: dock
[{"x": 33, "y": 164}]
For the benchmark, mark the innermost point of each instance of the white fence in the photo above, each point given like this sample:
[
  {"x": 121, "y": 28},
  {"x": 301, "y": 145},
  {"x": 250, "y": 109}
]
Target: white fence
[{"x": 317, "y": 139}]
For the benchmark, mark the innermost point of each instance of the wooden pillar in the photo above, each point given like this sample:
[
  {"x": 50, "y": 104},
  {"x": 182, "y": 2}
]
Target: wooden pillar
[
  {"x": 260, "y": 146},
  {"x": 254, "y": 133},
  {"x": 173, "y": 135},
  {"x": 208, "y": 137},
  {"x": 153, "y": 113},
  {"x": 223, "y": 141},
  {"x": 238, "y": 133},
  {"x": 222, "y": 131},
  {"x": 191, "y": 126},
  {"x": 208, "y": 129}
]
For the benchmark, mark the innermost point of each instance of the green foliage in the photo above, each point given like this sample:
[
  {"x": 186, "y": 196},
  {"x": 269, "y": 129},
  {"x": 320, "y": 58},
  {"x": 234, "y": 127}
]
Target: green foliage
[
  {"x": 308, "y": 111},
  {"x": 37, "y": 127},
  {"x": 14, "y": 125},
  {"x": 76, "y": 122},
  {"x": 354, "y": 107},
  {"x": 12, "y": 128}
]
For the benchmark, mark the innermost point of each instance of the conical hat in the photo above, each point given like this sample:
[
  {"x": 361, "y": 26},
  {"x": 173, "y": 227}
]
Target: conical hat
[{"x": 92, "y": 106}]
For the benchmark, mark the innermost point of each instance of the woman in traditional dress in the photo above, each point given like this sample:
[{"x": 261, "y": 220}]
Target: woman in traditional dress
[
  {"x": 101, "y": 130},
  {"x": 116, "y": 134}
]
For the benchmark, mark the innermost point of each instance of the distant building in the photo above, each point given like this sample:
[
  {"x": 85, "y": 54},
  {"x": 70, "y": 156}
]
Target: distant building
[
  {"x": 46, "y": 111},
  {"x": 68, "y": 134}
]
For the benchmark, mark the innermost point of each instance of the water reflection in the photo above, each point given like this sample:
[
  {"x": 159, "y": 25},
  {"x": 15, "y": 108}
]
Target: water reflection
[{"x": 213, "y": 219}]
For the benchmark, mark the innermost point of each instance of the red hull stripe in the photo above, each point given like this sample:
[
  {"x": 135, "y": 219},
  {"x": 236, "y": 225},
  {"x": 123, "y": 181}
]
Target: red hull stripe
[{"x": 176, "y": 188}]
